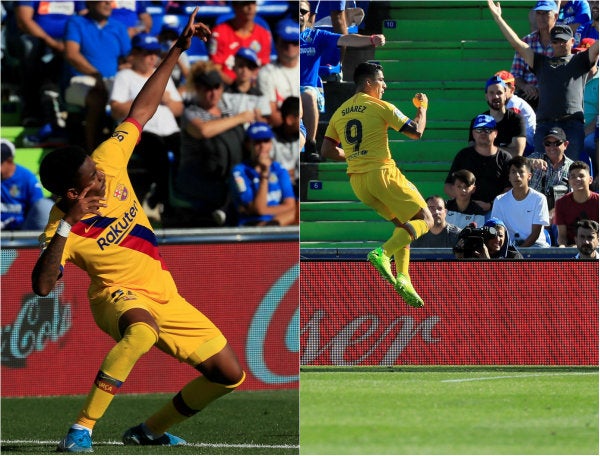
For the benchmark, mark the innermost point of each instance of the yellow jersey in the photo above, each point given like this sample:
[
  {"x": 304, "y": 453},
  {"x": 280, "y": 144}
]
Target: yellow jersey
[
  {"x": 118, "y": 248},
  {"x": 360, "y": 124}
]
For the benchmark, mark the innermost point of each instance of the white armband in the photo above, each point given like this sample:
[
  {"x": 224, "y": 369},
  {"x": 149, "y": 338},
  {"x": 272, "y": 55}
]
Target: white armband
[{"x": 63, "y": 228}]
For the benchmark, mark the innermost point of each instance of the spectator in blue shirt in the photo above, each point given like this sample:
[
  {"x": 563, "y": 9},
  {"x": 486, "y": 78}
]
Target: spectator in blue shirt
[
  {"x": 43, "y": 26},
  {"x": 94, "y": 45},
  {"x": 23, "y": 204},
  {"x": 262, "y": 189},
  {"x": 314, "y": 43}
]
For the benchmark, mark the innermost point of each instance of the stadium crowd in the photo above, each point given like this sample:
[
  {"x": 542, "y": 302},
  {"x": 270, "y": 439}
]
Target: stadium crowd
[
  {"x": 75, "y": 68},
  {"x": 532, "y": 113}
]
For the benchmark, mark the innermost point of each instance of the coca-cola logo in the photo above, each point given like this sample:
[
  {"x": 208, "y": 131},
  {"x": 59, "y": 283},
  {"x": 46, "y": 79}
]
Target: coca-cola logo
[
  {"x": 378, "y": 338},
  {"x": 40, "y": 320},
  {"x": 262, "y": 319}
]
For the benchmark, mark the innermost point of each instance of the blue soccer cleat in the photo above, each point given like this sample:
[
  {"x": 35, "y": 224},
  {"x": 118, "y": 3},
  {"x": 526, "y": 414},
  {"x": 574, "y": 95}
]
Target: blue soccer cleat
[
  {"x": 137, "y": 436},
  {"x": 76, "y": 441}
]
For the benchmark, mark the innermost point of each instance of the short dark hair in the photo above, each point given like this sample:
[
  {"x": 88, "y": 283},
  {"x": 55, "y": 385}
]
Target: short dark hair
[
  {"x": 60, "y": 168},
  {"x": 519, "y": 162},
  {"x": 290, "y": 107},
  {"x": 588, "y": 225},
  {"x": 364, "y": 71},
  {"x": 465, "y": 176},
  {"x": 432, "y": 197},
  {"x": 578, "y": 164}
]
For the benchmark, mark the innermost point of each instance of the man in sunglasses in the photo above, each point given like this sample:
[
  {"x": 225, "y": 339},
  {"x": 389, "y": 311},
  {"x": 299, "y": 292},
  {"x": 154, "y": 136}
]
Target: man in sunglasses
[
  {"x": 561, "y": 81},
  {"x": 551, "y": 168},
  {"x": 487, "y": 161}
]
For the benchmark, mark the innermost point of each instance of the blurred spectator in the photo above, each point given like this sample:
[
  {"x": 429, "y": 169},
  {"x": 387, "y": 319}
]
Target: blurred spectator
[
  {"x": 485, "y": 160},
  {"x": 245, "y": 67},
  {"x": 562, "y": 80},
  {"x": 520, "y": 106},
  {"x": 238, "y": 32},
  {"x": 546, "y": 15},
  {"x": 339, "y": 16},
  {"x": 574, "y": 13},
  {"x": 262, "y": 190},
  {"x": 94, "y": 44},
  {"x": 461, "y": 209},
  {"x": 211, "y": 143},
  {"x": 588, "y": 29},
  {"x": 133, "y": 15},
  {"x": 313, "y": 44},
  {"x": 302, "y": 131},
  {"x": 23, "y": 204},
  {"x": 586, "y": 240},
  {"x": 494, "y": 244},
  {"x": 43, "y": 26},
  {"x": 442, "y": 234},
  {"x": 160, "y": 134},
  {"x": 581, "y": 203},
  {"x": 523, "y": 210},
  {"x": 551, "y": 169},
  {"x": 512, "y": 131},
  {"x": 167, "y": 36},
  {"x": 590, "y": 115},
  {"x": 286, "y": 142},
  {"x": 280, "y": 79}
]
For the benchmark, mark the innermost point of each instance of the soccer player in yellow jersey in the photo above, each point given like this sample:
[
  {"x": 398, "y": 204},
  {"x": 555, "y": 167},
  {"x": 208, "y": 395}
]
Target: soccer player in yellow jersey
[
  {"x": 98, "y": 225},
  {"x": 360, "y": 126}
]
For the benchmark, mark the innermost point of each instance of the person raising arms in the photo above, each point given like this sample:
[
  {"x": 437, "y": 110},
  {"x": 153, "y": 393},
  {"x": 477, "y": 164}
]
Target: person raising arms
[
  {"x": 98, "y": 225},
  {"x": 360, "y": 124}
]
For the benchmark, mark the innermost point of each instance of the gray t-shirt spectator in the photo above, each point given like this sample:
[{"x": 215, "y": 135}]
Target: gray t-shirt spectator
[
  {"x": 561, "y": 83},
  {"x": 447, "y": 238}
]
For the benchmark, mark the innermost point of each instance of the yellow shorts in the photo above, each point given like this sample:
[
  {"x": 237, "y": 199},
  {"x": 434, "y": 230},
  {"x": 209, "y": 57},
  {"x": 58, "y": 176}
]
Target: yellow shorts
[
  {"x": 185, "y": 332},
  {"x": 389, "y": 192}
]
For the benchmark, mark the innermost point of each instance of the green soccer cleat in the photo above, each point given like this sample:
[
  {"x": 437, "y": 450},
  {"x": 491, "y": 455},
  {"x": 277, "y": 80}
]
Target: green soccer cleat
[
  {"x": 382, "y": 263},
  {"x": 405, "y": 289}
]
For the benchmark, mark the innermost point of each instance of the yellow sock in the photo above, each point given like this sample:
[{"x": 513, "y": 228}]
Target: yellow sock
[
  {"x": 402, "y": 259},
  {"x": 419, "y": 227},
  {"x": 138, "y": 339},
  {"x": 194, "y": 396},
  {"x": 401, "y": 237}
]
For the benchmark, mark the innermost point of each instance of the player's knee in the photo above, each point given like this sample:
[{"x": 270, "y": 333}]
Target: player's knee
[
  {"x": 140, "y": 338},
  {"x": 427, "y": 217}
]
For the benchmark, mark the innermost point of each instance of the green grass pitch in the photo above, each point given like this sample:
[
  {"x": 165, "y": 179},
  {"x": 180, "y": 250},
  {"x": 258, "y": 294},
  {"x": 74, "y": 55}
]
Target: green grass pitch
[
  {"x": 449, "y": 410},
  {"x": 244, "y": 422}
]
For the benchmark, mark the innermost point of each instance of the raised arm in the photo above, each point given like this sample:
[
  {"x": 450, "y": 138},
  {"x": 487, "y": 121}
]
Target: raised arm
[
  {"x": 145, "y": 104},
  {"x": 353, "y": 40},
  {"x": 515, "y": 41},
  {"x": 415, "y": 128}
]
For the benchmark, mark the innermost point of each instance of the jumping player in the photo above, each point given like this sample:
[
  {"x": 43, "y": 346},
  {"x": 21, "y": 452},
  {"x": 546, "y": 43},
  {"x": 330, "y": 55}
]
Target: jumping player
[
  {"x": 99, "y": 225},
  {"x": 360, "y": 125}
]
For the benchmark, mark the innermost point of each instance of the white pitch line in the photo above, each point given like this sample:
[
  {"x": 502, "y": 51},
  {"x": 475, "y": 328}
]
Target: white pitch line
[
  {"x": 477, "y": 379},
  {"x": 116, "y": 443}
]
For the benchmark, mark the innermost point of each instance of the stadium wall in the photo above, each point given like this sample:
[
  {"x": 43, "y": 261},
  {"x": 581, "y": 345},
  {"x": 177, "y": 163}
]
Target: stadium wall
[
  {"x": 51, "y": 345},
  {"x": 476, "y": 313}
]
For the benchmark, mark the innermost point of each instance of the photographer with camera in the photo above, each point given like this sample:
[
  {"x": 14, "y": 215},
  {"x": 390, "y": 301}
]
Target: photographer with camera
[{"x": 491, "y": 241}]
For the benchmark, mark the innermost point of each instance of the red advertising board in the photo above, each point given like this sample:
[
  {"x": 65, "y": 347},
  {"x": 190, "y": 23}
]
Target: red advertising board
[
  {"x": 517, "y": 313},
  {"x": 51, "y": 345}
]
